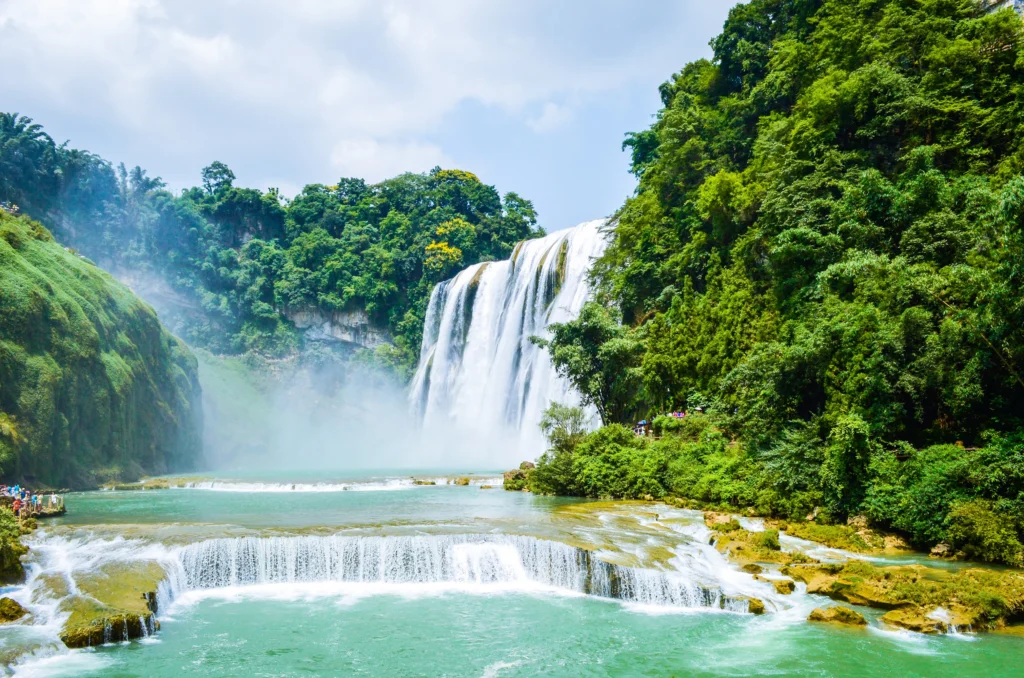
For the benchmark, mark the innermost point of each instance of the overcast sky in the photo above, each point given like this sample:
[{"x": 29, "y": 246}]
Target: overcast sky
[{"x": 533, "y": 96}]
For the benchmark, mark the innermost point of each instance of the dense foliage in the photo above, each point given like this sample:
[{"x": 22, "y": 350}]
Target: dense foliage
[
  {"x": 90, "y": 382},
  {"x": 826, "y": 250},
  {"x": 240, "y": 262}
]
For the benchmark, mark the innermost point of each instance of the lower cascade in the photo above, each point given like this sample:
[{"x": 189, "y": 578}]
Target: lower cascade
[
  {"x": 455, "y": 559},
  {"x": 478, "y": 368}
]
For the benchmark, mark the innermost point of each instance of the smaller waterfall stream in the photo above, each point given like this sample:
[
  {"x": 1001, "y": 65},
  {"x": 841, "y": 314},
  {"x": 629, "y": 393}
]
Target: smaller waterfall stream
[{"x": 478, "y": 368}]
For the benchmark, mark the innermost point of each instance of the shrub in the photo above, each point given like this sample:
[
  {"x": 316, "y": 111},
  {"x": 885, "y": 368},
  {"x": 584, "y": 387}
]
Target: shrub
[
  {"x": 982, "y": 534},
  {"x": 769, "y": 539}
]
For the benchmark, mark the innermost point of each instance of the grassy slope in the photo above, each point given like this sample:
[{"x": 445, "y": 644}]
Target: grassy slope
[{"x": 91, "y": 385}]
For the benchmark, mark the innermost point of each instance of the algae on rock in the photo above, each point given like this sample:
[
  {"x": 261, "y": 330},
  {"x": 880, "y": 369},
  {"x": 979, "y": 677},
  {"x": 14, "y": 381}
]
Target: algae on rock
[{"x": 116, "y": 602}]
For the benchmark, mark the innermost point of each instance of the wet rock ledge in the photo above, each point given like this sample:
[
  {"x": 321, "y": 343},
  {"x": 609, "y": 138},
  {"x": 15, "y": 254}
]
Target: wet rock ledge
[{"x": 115, "y": 603}]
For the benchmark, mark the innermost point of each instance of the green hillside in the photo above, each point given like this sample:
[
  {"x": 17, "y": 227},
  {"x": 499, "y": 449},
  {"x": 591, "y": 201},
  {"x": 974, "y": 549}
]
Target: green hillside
[
  {"x": 91, "y": 385},
  {"x": 825, "y": 254}
]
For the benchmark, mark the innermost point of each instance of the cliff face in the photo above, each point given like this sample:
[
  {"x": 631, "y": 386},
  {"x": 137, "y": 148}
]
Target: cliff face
[
  {"x": 91, "y": 385},
  {"x": 347, "y": 327}
]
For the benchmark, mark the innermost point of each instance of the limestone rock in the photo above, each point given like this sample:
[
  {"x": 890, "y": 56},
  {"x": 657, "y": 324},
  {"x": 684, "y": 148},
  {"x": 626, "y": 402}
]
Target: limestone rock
[
  {"x": 838, "y": 615},
  {"x": 460, "y": 481},
  {"x": 928, "y": 620},
  {"x": 527, "y": 466},
  {"x": 941, "y": 550},
  {"x": 752, "y": 568},
  {"x": 11, "y": 610},
  {"x": 784, "y": 586},
  {"x": 755, "y": 606},
  {"x": 347, "y": 327},
  {"x": 116, "y": 602}
]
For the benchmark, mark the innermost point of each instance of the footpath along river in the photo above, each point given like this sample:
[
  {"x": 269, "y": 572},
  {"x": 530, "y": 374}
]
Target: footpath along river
[{"x": 379, "y": 576}]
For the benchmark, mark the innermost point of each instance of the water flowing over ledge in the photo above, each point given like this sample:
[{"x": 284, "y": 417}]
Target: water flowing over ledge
[
  {"x": 478, "y": 369},
  {"x": 515, "y": 562}
]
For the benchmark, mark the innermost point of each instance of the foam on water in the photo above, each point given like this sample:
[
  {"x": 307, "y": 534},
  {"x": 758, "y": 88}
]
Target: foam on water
[{"x": 381, "y": 485}]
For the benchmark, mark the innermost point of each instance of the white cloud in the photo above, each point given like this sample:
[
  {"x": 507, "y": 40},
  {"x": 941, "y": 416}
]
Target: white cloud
[
  {"x": 551, "y": 117},
  {"x": 311, "y": 86}
]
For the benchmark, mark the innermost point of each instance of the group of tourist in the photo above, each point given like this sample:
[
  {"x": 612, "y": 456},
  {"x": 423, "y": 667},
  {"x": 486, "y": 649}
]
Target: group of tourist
[
  {"x": 26, "y": 502},
  {"x": 643, "y": 427}
]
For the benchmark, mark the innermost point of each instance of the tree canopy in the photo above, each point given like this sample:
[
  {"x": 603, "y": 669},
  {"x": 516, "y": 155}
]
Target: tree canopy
[
  {"x": 825, "y": 250},
  {"x": 243, "y": 259}
]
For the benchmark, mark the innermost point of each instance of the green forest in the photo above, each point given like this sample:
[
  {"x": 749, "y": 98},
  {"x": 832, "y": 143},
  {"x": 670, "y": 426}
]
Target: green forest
[
  {"x": 92, "y": 387},
  {"x": 825, "y": 255},
  {"x": 242, "y": 257}
]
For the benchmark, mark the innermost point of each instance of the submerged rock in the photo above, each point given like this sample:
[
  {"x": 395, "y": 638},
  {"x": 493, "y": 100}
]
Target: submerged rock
[
  {"x": 838, "y": 615},
  {"x": 11, "y": 610}
]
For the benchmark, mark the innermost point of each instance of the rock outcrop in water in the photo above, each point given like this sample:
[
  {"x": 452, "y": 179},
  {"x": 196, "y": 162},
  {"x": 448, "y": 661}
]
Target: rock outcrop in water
[
  {"x": 89, "y": 380},
  {"x": 11, "y": 610},
  {"x": 116, "y": 602}
]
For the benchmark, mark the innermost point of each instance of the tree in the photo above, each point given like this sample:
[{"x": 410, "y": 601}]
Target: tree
[
  {"x": 599, "y": 357},
  {"x": 217, "y": 178}
]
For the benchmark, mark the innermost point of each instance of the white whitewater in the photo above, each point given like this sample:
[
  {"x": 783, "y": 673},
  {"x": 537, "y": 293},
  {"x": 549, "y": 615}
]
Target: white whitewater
[
  {"x": 478, "y": 368},
  {"x": 468, "y": 561}
]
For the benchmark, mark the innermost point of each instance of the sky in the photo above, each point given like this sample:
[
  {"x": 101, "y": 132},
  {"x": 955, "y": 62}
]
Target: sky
[{"x": 533, "y": 96}]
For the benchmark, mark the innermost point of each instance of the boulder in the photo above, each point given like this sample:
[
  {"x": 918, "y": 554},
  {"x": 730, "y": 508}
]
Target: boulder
[
  {"x": 527, "y": 466},
  {"x": 941, "y": 550},
  {"x": 460, "y": 481},
  {"x": 922, "y": 619},
  {"x": 755, "y": 606},
  {"x": 11, "y": 610},
  {"x": 838, "y": 615},
  {"x": 784, "y": 586},
  {"x": 752, "y": 568},
  {"x": 116, "y": 602}
]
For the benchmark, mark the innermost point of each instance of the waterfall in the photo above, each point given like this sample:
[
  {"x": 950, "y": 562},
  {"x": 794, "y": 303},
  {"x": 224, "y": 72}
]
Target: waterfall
[
  {"x": 478, "y": 369},
  {"x": 470, "y": 560}
]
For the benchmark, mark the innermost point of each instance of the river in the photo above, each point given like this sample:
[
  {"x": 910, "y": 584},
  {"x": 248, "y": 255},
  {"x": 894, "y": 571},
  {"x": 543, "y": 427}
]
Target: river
[{"x": 375, "y": 575}]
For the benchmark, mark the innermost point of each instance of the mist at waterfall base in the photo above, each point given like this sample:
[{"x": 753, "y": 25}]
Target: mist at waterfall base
[{"x": 327, "y": 416}]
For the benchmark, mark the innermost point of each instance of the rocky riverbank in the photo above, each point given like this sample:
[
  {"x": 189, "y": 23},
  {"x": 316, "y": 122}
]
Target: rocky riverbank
[{"x": 915, "y": 597}]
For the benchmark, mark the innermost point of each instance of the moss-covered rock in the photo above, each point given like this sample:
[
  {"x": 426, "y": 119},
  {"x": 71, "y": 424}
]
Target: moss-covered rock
[
  {"x": 783, "y": 586},
  {"x": 114, "y": 603},
  {"x": 517, "y": 480},
  {"x": 838, "y": 615},
  {"x": 980, "y": 598},
  {"x": 11, "y": 610},
  {"x": 754, "y": 605},
  {"x": 91, "y": 386},
  {"x": 930, "y": 620}
]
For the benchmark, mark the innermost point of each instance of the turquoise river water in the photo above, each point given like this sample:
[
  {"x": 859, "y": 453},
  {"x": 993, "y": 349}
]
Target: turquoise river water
[{"x": 378, "y": 576}]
